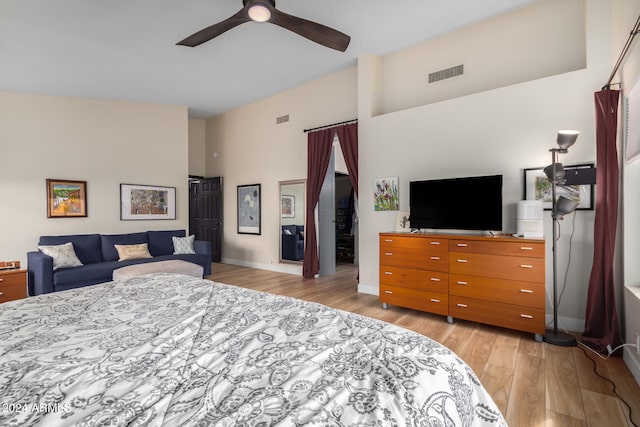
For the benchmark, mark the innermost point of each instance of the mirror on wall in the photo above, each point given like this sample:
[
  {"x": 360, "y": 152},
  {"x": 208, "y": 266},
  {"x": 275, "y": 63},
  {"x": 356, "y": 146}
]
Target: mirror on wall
[{"x": 292, "y": 204}]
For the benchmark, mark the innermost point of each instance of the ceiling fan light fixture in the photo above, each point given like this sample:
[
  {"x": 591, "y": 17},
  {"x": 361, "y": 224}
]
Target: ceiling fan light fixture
[{"x": 259, "y": 13}]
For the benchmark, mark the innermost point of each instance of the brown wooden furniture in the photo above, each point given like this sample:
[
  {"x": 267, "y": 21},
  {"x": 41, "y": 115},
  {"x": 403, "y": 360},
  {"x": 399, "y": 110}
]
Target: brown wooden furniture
[
  {"x": 13, "y": 285},
  {"x": 495, "y": 280}
]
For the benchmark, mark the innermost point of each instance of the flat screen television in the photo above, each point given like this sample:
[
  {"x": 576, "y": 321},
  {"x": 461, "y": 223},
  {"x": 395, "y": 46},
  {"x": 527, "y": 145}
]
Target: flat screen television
[{"x": 466, "y": 203}]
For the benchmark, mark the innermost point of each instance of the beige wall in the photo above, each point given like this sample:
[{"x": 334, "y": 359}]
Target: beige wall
[
  {"x": 252, "y": 149},
  {"x": 197, "y": 147},
  {"x": 626, "y": 14},
  {"x": 105, "y": 143},
  {"x": 523, "y": 45}
]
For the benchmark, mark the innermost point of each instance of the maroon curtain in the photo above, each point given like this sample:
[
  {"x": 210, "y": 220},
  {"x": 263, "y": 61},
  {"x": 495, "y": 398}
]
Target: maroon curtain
[
  {"x": 348, "y": 136},
  {"x": 601, "y": 323},
  {"x": 318, "y": 156}
]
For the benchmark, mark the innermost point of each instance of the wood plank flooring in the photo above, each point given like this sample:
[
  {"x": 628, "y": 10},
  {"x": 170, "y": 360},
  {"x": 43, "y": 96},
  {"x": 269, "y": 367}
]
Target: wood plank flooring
[{"x": 533, "y": 384}]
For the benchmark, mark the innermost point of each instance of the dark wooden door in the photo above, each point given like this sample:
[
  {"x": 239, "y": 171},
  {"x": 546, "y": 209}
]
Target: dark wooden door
[{"x": 205, "y": 213}]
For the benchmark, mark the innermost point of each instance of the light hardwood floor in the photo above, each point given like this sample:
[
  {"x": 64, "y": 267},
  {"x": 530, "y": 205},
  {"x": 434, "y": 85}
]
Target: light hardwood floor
[{"x": 533, "y": 384}]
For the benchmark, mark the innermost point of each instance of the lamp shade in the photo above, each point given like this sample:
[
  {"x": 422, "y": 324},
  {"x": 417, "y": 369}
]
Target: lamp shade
[
  {"x": 566, "y": 138},
  {"x": 554, "y": 172},
  {"x": 564, "y": 206}
]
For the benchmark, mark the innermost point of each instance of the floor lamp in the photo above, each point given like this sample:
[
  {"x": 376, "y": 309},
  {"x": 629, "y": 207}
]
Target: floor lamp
[{"x": 560, "y": 207}]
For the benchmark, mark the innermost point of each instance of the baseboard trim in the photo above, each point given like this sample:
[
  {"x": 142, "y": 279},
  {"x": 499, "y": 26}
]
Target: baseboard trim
[
  {"x": 566, "y": 323},
  {"x": 633, "y": 362},
  {"x": 365, "y": 289},
  {"x": 278, "y": 268}
]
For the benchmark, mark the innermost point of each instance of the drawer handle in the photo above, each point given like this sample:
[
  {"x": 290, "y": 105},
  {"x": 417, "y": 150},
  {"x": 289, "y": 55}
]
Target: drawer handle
[
  {"x": 526, "y": 266},
  {"x": 462, "y": 305},
  {"x": 526, "y": 291},
  {"x": 435, "y": 258},
  {"x": 388, "y": 273},
  {"x": 434, "y": 243},
  {"x": 462, "y": 260},
  {"x": 435, "y": 300},
  {"x": 526, "y": 248},
  {"x": 388, "y": 240},
  {"x": 460, "y": 282},
  {"x": 1, "y": 280},
  {"x": 388, "y": 292},
  {"x": 462, "y": 245},
  {"x": 388, "y": 253},
  {"x": 1, "y": 293},
  {"x": 434, "y": 279},
  {"x": 526, "y": 316}
]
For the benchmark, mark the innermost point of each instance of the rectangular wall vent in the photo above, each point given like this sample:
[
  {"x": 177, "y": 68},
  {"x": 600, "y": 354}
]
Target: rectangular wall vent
[
  {"x": 282, "y": 119},
  {"x": 447, "y": 73}
]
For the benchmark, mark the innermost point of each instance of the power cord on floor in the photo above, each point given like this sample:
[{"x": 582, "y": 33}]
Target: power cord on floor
[{"x": 595, "y": 371}]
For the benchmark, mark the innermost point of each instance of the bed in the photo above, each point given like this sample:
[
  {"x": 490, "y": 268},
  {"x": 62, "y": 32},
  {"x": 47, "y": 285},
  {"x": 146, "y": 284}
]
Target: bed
[{"x": 174, "y": 350}]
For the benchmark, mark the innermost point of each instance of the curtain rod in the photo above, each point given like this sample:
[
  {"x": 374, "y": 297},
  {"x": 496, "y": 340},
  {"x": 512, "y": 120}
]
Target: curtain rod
[
  {"x": 625, "y": 50},
  {"x": 331, "y": 125}
]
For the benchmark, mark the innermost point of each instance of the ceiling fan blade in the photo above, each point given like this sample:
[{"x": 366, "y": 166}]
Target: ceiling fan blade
[
  {"x": 311, "y": 30},
  {"x": 215, "y": 30}
]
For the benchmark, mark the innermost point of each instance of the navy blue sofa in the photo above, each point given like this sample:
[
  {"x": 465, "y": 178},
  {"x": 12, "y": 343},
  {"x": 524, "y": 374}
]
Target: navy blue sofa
[
  {"x": 100, "y": 257},
  {"x": 293, "y": 242}
]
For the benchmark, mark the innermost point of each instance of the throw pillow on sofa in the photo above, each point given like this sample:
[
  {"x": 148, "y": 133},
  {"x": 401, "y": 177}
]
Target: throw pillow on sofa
[
  {"x": 127, "y": 252},
  {"x": 63, "y": 255},
  {"x": 183, "y": 245}
]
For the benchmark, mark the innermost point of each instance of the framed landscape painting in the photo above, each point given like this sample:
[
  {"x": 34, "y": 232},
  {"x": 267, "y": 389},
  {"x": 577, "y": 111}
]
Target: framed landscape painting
[
  {"x": 144, "y": 202},
  {"x": 66, "y": 199},
  {"x": 249, "y": 209}
]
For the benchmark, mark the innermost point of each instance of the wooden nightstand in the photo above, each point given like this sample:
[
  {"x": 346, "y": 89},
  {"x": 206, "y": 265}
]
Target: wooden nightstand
[{"x": 13, "y": 285}]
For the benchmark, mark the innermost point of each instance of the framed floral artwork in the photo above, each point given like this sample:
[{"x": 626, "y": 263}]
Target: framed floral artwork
[{"x": 385, "y": 195}]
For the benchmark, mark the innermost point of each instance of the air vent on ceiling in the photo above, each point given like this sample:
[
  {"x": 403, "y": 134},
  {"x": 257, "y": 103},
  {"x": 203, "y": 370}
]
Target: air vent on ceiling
[
  {"x": 447, "y": 73},
  {"x": 282, "y": 119}
]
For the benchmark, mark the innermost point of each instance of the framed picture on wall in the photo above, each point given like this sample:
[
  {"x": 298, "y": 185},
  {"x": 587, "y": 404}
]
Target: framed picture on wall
[
  {"x": 288, "y": 206},
  {"x": 538, "y": 187},
  {"x": 249, "y": 220},
  {"x": 145, "y": 202},
  {"x": 66, "y": 199}
]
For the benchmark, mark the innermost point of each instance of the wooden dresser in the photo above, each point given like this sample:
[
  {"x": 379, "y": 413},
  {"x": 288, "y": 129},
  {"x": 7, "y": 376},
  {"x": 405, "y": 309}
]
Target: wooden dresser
[
  {"x": 495, "y": 280},
  {"x": 13, "y": 285}
]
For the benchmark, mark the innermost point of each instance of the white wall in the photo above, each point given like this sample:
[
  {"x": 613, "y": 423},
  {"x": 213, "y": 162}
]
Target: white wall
[
  {"x": 626, "y": 14},
  {"x": 105, "y": 143}
]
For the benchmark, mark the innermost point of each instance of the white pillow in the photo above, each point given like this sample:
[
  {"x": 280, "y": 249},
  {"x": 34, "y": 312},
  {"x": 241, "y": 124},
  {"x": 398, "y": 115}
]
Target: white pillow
[
  {"x": 287, "y": 231},
  {"x": 63, "y": 255},
  {"x": 183, "y": 245},
  {"x": 127, "y": 252}
]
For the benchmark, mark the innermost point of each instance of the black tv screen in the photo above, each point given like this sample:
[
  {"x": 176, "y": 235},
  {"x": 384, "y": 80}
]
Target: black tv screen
[{"x": 469, "y": 203}]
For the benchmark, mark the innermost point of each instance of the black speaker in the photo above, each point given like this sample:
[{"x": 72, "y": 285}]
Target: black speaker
[{"x": 580, "y": 176}]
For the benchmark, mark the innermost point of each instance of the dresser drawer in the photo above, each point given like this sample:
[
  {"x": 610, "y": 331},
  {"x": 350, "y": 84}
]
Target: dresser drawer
[
  {"x": 494, "y": 313},
  {"x": 432, "y": 281},
  {"x": 414, "y": 258},
  {"x": 520, "y": 249},
  {"x": 496, "y": 266},
  {"x": 428, "y": 244},
  {"x": 13, "y": 286},
  {"x": 418, "y": 300},
  {"x": 527, "y": 294}
]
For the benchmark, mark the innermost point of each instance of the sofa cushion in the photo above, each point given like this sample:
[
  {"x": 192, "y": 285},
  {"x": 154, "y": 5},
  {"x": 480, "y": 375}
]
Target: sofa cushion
[
  {"x": 86, "y": 246},
  {"x": 161, "y": 242},
  {"x": 127, "y": 252},
  {"x": 183, "y": 245},
  {"x": 109, "y": 252},
  {"x": 63, "y": 255}
]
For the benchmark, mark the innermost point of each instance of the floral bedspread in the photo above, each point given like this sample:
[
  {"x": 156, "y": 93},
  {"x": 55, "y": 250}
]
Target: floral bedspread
[{"x": 172, "y": 350}]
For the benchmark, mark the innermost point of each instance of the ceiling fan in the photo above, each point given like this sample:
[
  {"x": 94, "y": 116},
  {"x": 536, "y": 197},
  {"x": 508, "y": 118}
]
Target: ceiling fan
[{"x": 265, "y": 11}]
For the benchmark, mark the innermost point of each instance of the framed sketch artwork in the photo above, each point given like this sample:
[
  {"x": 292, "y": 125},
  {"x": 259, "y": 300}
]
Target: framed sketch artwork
[
  {"x": 249, "y": 220},
  {"x": 288, "y": 206}
]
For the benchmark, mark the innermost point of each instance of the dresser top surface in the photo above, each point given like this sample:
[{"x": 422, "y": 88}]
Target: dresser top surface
[{"x": 454, "y": 236}]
